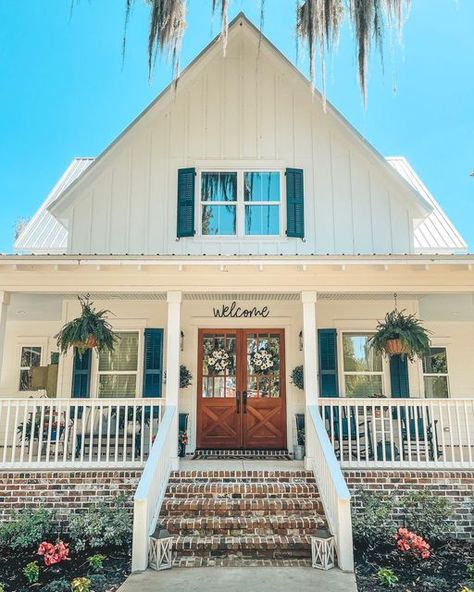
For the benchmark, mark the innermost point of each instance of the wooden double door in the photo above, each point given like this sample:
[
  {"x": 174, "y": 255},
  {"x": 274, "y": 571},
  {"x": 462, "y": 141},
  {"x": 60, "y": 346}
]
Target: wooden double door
[{"x": 241, "y": 389}]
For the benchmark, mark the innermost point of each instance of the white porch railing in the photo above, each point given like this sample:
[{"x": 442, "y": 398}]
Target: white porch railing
[
  {"x": 401, "y": 433},
  {"x": 152, "y": 487},
  {"x": 77, "y": 433},
  {"x": 335, "y": 495}
]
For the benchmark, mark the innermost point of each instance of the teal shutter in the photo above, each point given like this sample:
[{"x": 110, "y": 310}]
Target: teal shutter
[
  {"x": 153, "y": 363},
  {"x": 399, "y": 377},
  {"x": 186, "y": 182},
  {"x": 327, "y": 346},
  {"x": 294, "y": 203},
  {"x": 81, "y": 374}
]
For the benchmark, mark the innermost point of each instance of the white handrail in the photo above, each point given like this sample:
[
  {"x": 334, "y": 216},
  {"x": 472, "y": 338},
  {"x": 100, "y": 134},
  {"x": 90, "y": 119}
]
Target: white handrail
[
  {"x": 335, "y": 495},
  {"x": 400, "y": 433},
  {"x": 77, "y": 433},
  {"x": 152, "y": 487}
]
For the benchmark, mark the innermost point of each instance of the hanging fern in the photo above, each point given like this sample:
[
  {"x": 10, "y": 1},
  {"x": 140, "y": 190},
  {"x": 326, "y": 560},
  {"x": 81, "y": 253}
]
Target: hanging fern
[{"x": 90, "y": 329}]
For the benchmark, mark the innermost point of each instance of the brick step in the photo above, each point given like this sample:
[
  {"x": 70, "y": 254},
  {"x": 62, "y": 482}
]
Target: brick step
[
  {"x": 234, "y": 561},
  {"x": 265, "y": 489},
  {"x": 199, "y": 507},
  {"x": 245, "y": 547},
  {"x": 246, "y": 476},
  {"x": 287, "y": 525}
]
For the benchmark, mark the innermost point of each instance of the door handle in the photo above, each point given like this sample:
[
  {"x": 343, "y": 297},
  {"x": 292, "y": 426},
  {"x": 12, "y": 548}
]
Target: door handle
[
  {"x": 237, "y": 400},
  {"x": 244, "y": 397}
]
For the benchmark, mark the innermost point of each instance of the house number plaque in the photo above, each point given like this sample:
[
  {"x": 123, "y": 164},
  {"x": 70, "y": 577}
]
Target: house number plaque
[{"x": 233, "y": 311}]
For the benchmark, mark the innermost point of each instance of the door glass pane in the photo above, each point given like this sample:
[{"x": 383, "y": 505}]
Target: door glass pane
[
  {"x": 262, "y": 220},
  {"x": 263, "y": 365},
  {"x": 218, "y": 365},
  {"x": 262, "y": 186}
]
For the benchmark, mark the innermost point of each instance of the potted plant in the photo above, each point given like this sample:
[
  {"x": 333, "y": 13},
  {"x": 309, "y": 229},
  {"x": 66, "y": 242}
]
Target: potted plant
[
  {"x": 377, "y": 410},
  {"x": 297, "y": 377},
  {"x": 182, "y": 442},
  {"x": 401, "y": 334},
  {"x": 185, "y": 377},
  {"x": 298, "y": 449},
  {"x": 90, "y": 330}
]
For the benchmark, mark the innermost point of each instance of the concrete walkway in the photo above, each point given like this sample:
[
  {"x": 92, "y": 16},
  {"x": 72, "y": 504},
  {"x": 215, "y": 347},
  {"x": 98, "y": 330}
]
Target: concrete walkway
[{"x": 238, "y": 579}]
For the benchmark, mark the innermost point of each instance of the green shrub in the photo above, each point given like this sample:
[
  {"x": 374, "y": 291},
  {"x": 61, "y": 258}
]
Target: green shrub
[
  {"x": 101, "y": 526},
  {"x": 470, "y": 570},
  {"x": 2, "y": 587},
  {"x": 31, "y": 571},
  {"x": 26, "y": 530},
  {"x": 372, "y": 523},
  {"x": 98, "y": 582},
  {"x": 96, "y": 562},
  {"x": 387, "y": 577},
  {"x": 57, "y": 586},
  {"x": 427, "y": 514},
  {"x": 81, "y": 585}
]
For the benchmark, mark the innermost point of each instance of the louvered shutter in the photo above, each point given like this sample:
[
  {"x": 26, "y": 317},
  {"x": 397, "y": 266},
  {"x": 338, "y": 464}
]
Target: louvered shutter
[
  {"x": 186, "y": 182},
  {"x": 328, "y": 382},
  {"x": 153, "y": 363},
  {"x": 81, "y": 374},
  {"x": 399, "y": 377},
  {"x": 294, "y": 203}
]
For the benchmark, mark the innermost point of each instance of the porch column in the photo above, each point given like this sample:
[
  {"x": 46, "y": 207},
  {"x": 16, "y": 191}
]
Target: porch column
[
  {"x": 310, "y": 348},
  {"x": 173, "y": 332},
  {"x": 4, "y": 302}
]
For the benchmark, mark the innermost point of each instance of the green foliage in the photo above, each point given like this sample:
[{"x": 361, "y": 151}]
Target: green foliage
[
  {"x": 98, "y": 582},
  {"x": 387, "y": 577},
  {"x": 470, "y": 570},
  {"x": 427, "y": 514},
  {"x": 101, "y": 526},
  {"x": 2, "y": 587},
  {"x": 300, "y": 436},
  {"x": 297, "y": 377},
  {"x": 26, "y": 529},
  {"x": 96, "y": 562},
  {"x": 31, "y": 571},
  {"x": 81, "y": 585},
  {"x": 406, "y": 327},
  {"x": 185, "y": 377},
  {"x": 61, "y": 585},
  {"x": 372, "y": 523},
  {"x": 91, "y": 322}
]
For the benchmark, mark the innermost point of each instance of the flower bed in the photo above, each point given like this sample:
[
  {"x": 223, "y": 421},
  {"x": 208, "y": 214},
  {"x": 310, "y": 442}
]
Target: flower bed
[{"x": 445, "y": 570}]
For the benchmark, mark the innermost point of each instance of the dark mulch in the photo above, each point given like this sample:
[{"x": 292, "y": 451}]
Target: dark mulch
[
  {"x": 444, "y": 571},
  {"x": 116, "y": 568}
]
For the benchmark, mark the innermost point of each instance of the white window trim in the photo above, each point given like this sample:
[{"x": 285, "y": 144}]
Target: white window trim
[
  {"x": 240, "y": 203},
  {"x": 41, "y": 342},
  {"x": 139, "y": 371},
  {"x": 423, "y": 374},
  {"x": 385, "y": 373}
]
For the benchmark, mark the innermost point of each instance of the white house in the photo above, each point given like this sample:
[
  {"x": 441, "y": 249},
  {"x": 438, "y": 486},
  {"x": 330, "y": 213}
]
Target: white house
[{"x": 237, "y": 213}]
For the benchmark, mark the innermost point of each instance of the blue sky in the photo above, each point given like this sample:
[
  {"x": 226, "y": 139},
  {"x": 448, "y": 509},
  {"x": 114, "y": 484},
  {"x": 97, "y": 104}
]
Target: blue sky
[{"x": 64, "y": 92}]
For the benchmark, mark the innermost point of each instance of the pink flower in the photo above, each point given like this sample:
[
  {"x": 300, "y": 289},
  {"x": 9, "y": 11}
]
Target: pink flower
[
  {"x": 53, "y": 553},
  {"x": 409, "y": 542}
]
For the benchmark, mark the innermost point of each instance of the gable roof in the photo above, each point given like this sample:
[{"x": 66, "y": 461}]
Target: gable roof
[
  {"x": 436, "y": 232},
  {"x": 44, "y": 233},
  {"x": 241, "y": 24}
]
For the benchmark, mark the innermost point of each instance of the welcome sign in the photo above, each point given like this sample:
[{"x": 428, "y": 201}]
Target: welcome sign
[{"x": 233, "y": 311}]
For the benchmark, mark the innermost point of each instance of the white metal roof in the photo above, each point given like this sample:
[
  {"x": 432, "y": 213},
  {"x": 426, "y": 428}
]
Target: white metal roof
[
  {"x": 435, "y": 233},
  {"x": 44, "y": 233}
]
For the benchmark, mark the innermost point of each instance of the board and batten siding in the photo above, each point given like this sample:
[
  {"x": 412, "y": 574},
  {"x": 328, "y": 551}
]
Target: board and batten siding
[{"x": 247, "y": 109}]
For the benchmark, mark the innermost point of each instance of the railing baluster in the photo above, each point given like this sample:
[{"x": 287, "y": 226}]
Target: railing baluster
[
  {"x": 99, "y": 437},
  {"x": 468, "y": 431},
  {"x": 23, "y": 431},
  {"x": 458, "y": 425}
]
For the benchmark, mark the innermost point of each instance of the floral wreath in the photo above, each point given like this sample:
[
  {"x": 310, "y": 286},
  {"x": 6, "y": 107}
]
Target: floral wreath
[
  {"x": 218, "y": 360},
  {"x": 262, "y": 361}
]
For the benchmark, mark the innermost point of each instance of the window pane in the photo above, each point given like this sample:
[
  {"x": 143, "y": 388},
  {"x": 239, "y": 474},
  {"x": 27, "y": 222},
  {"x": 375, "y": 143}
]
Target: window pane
[
  {"x": 219, "y": 186},
  {"x": 264, "y": 186},
  {"x": 358, "y": 357},
  {"x": 436, "y": 387},
  {"x": 436, "y": 362},
  {"x": 117, "y": 385},
  {"x": 218, "y": 220},
  {"x": 25, "y": 380},
  {"x": 30, "y": 356},
  {"x": 263, "y": 220},
  {"x": 363, "y": 386},
  {"x": 125, "y": 356}
]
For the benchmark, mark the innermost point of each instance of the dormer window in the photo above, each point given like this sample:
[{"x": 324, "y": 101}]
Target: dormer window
[{"x": 242, "y": 203}]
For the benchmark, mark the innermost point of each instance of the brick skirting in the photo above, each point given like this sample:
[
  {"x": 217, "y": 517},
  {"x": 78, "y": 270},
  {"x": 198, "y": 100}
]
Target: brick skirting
[
  {"x": 63, "y": 491},
  {"x": 458, "y": 486}
]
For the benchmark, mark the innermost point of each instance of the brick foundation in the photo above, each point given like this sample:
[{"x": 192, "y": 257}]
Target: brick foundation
[
  {"x": 458, "y": 486},
  {"x": 63, "y": 491}
]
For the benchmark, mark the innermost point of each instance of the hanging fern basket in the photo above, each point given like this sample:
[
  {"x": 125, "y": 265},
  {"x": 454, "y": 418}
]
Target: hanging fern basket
[
  {"x": 89, "y": 343},
  {"x": 396, "y": 347}
]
